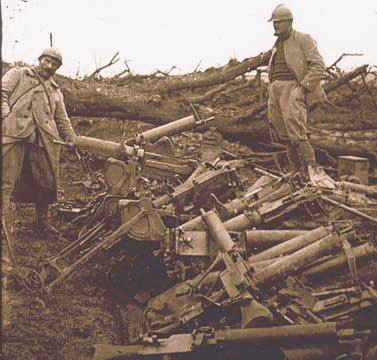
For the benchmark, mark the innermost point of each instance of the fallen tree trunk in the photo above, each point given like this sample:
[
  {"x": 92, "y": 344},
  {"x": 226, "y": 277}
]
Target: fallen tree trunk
[{"x": 159, "y": 100}]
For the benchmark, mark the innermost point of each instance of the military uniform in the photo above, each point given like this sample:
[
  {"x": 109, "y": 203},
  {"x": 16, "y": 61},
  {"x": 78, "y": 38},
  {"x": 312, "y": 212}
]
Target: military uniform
[
  {"x": 295, "y": 70},
  {"x": 31, "y": 120}
]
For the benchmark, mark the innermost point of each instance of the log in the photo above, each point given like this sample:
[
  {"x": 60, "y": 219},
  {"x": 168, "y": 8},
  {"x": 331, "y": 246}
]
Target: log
[{"x": 159, "y": 100}]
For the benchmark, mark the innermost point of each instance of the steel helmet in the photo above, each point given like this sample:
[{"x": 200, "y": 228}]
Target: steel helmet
[
  {"x": 54, "y": 53},
  {"x": 280, "y": 13}
]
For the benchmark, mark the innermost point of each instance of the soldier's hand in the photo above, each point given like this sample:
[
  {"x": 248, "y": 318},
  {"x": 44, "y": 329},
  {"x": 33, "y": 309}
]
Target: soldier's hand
[{"x": 71, "y": 141}]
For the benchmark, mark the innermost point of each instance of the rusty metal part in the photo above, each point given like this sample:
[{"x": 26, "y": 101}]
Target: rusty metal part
[
  {"x": 364, "y": 189},
  {"x": 361, "y": 253},
  {"x": 93, "y": 242},
  {"x": 149, "y": 226},
  {"x": 323, "y": 335},
  {"x": 293, "y": 262},
  {"x": 349, "y": 209},
  {"x": 175, "y": 127},
  {"x": 218, "y": 230},
  {"x": 195, "y": 191},
  {"x": 338, "y": 306},
  {"x": 236, "y": 277},
  {"x": 270, "y": 211},
  {"x": 28, "y": 277},
  {"x": 265, "y": 189},
  {"x": 152, "y": 164},
  {"x": 292, "y": 245},
  {"x": 265, "y": 238}
]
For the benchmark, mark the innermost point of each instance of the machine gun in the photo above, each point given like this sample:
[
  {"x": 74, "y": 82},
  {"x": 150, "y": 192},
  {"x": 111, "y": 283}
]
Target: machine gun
[
  {"x": 263, "y": 343},
  {"x": 184, "y": 243},
  {"x": 189, "y": 300},
  {"x": 140, "y": 220}
]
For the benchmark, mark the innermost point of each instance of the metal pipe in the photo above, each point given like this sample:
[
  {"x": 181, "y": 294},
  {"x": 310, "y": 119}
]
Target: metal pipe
[
  {"x": 265, "y": 238},
  {"x": 361, "y": 253},
  {"x": 293, "y": 262},
  {"x": 279, "y": 335},
  {"x": 171, "y": 128},
  {"x": 293, "y": 245}
]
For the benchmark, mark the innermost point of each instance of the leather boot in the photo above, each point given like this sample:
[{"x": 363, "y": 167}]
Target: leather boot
[
  {"x": 294, "y": 159},
  {"x": 308, "y": 158},
  {"x": 44, "y": 224}
]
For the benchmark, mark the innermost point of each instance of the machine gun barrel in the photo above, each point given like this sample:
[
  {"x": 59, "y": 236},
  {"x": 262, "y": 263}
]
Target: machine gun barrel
[
  {"x": 172, "y": 128},
  {"x": 105, "y": 148}
]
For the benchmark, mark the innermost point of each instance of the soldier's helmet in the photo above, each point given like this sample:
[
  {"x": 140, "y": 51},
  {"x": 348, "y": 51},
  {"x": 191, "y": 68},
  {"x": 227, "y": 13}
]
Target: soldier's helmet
[
  {"x": 52, "y": 52},
  {"x": 280, "y": 13}
]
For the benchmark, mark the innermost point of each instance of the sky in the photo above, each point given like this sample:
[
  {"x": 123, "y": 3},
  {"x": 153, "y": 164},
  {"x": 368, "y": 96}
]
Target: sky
[{"x": 197, "y": 34}]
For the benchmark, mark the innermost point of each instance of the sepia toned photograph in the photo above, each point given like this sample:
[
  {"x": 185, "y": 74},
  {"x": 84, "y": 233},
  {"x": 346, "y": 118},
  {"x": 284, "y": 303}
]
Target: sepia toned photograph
[{"x": 186, "y": 180}]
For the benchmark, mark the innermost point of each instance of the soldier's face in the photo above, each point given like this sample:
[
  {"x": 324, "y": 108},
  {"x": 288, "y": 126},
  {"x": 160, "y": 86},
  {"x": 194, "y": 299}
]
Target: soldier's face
[
  {"x": 282, "y": 27},
  {"x": 48, "y": 66}
]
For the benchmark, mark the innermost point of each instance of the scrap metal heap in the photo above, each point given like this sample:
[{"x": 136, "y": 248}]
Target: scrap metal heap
[{"x": 281, "y": 269}]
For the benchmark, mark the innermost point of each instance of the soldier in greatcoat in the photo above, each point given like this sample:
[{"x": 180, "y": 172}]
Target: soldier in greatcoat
[{"x": 33, "y": 116}]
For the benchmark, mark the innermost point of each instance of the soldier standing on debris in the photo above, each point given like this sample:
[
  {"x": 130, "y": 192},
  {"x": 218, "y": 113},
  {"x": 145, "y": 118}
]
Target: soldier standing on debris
[
  {"x": 33, "y": 116},
  {"x": 295, "y": 70}
]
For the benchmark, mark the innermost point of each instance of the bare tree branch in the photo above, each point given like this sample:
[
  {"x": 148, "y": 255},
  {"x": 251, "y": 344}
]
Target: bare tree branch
[
  {"x": 111, "y": 62},
  {"x": 197, "y": 66},
  {"x": 341, "y": 57},
  {"x": 78, "y": 70},
  {"x": 127, "y": 70}
]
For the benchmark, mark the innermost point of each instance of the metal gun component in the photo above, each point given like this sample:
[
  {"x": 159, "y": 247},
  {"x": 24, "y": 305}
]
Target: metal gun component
[
  {"x": 28, "y": 277},
  {"x": 293, "y": 262},
  {"x": 265, "y": 238},
  {"x": 154, "y": 164},
  {"x": 361, "y": 253},
  {"x": 236, "y": 277},
  {"x": 338, "y": 306},
  {"x": 364, "y": 189},
  {"x": 195, "y": 191},
  {"x": 266, "y": 212},
  {"x": 198, "y": 242},
  {"x": 290, "y": 337},
  {"x": 349, "y": 209},
  {"x": 171, "y": 128},
  {"x": 264, "y": 190},
  {"x": 292, "y": 245},
  {"x": 106, "y": 243}
]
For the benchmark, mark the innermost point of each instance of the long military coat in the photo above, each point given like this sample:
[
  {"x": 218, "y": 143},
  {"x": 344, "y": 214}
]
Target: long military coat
[{"x": 24, "y": 107}]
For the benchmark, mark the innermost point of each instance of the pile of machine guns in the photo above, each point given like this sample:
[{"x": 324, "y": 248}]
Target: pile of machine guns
[{"x": 242, "y": 278}]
